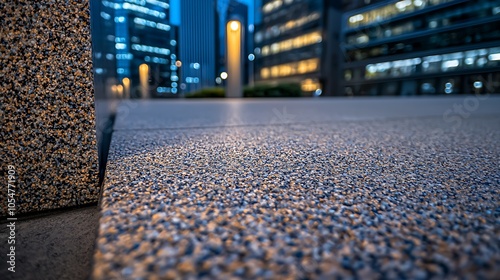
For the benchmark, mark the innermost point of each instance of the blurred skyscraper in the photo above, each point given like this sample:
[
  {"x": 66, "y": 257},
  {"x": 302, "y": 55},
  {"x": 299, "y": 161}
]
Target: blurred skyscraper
[
  {"x": 198, "y": 36},
  {"x": 127, "y": 34}
]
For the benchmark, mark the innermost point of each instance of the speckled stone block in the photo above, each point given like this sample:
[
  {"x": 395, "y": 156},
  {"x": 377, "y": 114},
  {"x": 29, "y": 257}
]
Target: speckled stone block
[{"x": 47, "y": 104}]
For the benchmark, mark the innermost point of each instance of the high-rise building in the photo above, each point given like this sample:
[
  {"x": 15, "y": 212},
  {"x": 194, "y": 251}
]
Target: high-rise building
[
  {"x": 292, "y": 43},
  {"x": 198, "y": 36},
  {"x": 414, "y": 47},
  {"x": 131, "y": 33}
]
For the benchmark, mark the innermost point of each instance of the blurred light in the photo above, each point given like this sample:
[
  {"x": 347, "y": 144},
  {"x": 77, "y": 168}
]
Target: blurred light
[
  {"x": 173, "y": 42},
  {"x": 109, "y": 56},
  {"x": 144, "y": 10},
  {"x": 450, "y": 64},
  {"x": 174, "y": 78},
  {"x": 251, "y": 27},
  {"x": 356, "y": 18},
  {"x": 174, "y": 90},
  {"x": 178, "y": 63},
  {"x": 105, "y": 16},
  {"x": 469, "y": 61},
  {"x": 418, "y": 3},
  {"x": 120, "y": 46},
  {"x": 251, "y": 57},
  {"x": 478, "y": 84},
  {"x": 218, "y": 80},
  {"x": 162, "y": 89},
  {"x": 223, "y": 75},
  {"x": 318, "y": 92},
  {"x": 448, "y": 85},
  {"x": 234, "y": 25},
  {"x": 119, "y": 19},
  {"x": 120, "y": 70},
  {"x": 401, "y": 5},
  {"x": 494, "y": 56},
  {"x": 256, "y": 50},
  {"x": 482, "y": 61},
  {"x": 174, "y": 84},
  {"x": 99, "y": 70},
  {"x": 126, "y": 82},
  {"x": 196, "y": 65}
]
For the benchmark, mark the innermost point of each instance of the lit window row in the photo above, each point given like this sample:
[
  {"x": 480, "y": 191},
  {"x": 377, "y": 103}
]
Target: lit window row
[
  {"x": 309, "y": 85},
  {"x": 155, "y": 59},
  {"x": 289, "y": 69},
  {"x": 435, "y": 20},
  {"x": 126, "y": 56},
  {"x": 390, "y": 11},
  {"x": 158, "y": 3},
  {"x": 145, "y": 48},
  {"x": 152, "y": 24},
  {"x": 136, "y": 8},
  {"x": 293, "y": 43},
  {"x": 433, "y": 63},
  {"x": 276, "y": 30}
]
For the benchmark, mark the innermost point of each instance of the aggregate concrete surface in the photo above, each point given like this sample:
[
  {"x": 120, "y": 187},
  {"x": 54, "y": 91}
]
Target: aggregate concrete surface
[
  {"x": 56, "y": 245},
  {"x": 403, "y": 197}
]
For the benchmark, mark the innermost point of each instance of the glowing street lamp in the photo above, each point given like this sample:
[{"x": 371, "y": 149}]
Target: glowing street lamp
[
  {"x": 126, "y": 86},
  {"x": 223, "y": 75},
  {"x": 233, "y": 59},
  {"x": 143, "y": 77}
]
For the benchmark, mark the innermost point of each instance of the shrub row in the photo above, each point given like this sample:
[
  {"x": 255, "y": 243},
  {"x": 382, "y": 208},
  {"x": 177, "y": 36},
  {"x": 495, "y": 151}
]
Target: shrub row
[{"x": 265, "y": 90}]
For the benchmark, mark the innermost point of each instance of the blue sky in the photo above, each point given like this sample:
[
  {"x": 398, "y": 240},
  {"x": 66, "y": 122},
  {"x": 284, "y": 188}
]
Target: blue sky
[{"x": 175, "y": 10}]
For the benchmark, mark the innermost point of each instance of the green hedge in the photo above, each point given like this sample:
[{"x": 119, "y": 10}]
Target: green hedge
[
  {"x": 215, "y": 92},
  {"x": 263, "y": 90},
  {"x": 278, "y": 90}
]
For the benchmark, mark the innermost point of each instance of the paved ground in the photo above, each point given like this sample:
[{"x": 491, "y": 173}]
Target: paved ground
[
  {"x": 363, "y": 188},
  {"x": 53, "y": 245}
]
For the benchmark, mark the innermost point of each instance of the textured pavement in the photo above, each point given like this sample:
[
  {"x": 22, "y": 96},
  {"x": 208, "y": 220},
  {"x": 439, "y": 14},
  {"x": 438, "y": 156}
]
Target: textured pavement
[{"x": 362, "y": 188}]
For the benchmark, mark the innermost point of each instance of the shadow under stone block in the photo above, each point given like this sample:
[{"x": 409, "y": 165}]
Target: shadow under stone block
[{"x": 47, "y": 110}]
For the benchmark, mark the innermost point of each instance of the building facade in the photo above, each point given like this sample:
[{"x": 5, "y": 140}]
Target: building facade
[
  {"x": 197, "y": 51},
  {"x": 421, "y": 47},
  {"x": 131, "y": 35},
  {"x": 288, "y": 43}
]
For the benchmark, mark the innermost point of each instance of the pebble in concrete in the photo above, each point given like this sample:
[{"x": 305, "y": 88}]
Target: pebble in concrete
[{"x": 392, "y": 199}]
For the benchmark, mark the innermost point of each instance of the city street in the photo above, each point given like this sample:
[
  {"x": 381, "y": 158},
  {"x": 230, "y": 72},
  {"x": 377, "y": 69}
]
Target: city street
[{"x": 302, "y": 188}]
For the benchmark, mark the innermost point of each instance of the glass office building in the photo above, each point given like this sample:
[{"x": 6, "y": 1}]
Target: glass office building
[
  {"x": 134, "y": 48},
  {"x": 288, "y": 43},
  {"x": 421, "y": 47}
]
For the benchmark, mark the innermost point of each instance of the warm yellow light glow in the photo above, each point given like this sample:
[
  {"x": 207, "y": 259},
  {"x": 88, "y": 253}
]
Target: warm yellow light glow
[
  {"x": 310, "y": 85},
  {"x": 289, "y": 69},
  {"x": 223, "y": 75},
  {"x": 234, "y": 25},
  {"x": 119, "y": 90},
  {"x": 143, "y": 77},
  {"x": 178, "y": 63},
  {"x": 293, "y": 43},
  {"x": 126, "y": 87}
]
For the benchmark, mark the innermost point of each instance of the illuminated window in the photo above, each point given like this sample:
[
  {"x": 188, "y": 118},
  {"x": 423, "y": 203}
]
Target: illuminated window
[
  {"x": 391, "y": 10},
  {"x": 289, "y": 69},
  {"x": 293, "y": 43},
  {"x": 310, "y": 85}
]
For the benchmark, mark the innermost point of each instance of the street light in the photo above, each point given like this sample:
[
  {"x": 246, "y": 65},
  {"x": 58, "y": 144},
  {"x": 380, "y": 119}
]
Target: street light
[
  {"x": 143, "y": 77},
  {"x": 233, "y": 59},
  {"x": 126, "y": 85},
  {"x": 223, "y": 75}
]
